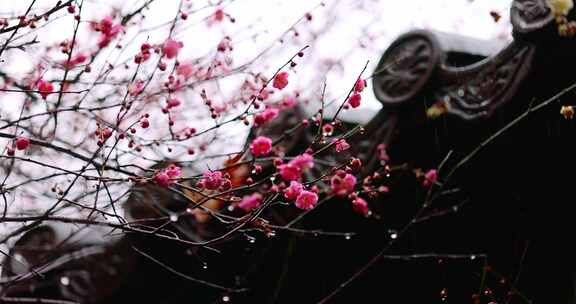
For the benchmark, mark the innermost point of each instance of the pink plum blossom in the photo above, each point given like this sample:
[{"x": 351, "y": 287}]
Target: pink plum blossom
[
  {"x": 261, "y": 146},
  {"x": 45, "y": 88},
  {"x": 280, "y": 81},
  {"x": 361, "y": 206},
  {"x": 293, "y": 191},
  {"x": 343, "y": 185},
  {"x": 341, "y": 145},
  {"x": 250, "y": 202},
  {"x": 289, "y": 172},
  {"x": 211, "y": 180},
  {"x": 430, "y": 178},
  {"x": 171, "y": 48},
  {"x": 306, "y": 200}
]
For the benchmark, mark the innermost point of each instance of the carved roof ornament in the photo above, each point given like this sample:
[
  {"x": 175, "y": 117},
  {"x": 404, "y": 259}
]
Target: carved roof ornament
[
  {"x": 531, "y": 15},
  {"x": 406, "y": 67},
  {"x": 459, "y": 75}
]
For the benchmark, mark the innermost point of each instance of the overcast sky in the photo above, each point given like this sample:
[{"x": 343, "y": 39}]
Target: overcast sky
[{"x": 260, "y": 22}]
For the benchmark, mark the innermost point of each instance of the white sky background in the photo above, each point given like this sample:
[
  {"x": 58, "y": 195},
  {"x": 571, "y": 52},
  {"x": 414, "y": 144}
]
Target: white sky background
[
  {"x": 343, "y": 27},
  {"x": 374, "y": 22}
]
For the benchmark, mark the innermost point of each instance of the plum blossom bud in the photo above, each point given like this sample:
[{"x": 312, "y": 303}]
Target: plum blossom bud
[
  {"x": 22, "y": 143},
  {"x": 430, "y": 178},
  {"x": 45, "y": 88},
  {"x": 354, "y": 100},
  {"x": 360, "y": 206},
  {"x": 359, "y": 85}
]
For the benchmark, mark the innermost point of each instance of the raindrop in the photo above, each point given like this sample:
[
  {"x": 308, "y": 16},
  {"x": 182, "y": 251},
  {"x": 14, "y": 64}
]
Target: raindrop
[
  {"x": 173, "y": 217},
  {"x": 205, "y": 266},
  {"x": 472, "y": 257},
  {"x": 347, "y": 237},
  {"x": 65, "y": 281},
  {"x": 226, "y": 299},
  {"x": 272, "y": 179},
  {"x": 231, "y": 208}
]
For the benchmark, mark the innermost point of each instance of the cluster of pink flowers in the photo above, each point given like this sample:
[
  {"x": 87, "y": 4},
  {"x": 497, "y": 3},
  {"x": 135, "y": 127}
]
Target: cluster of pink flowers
[
  {"x": 261, "y": 146},
  {"x": 20, "y": 143},
  {"x": 291, "y": 192},
  {"x": 293, "y": 170},
  {"x": 213, "y": 180},
  {"x": 342, "y": 183},
  {"x": 165, "y": 177},
  {"x": 145, "y": 53},
  {"x": 303, "y": 199},
  {"x": 108, "y": 29},
  {"x": 355, "y": 99}
]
